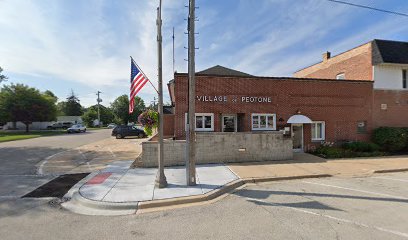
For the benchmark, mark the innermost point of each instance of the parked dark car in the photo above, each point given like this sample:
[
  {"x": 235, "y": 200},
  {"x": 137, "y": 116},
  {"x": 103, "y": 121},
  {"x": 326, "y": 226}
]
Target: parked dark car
[
  {"x": 60, "y": 125},
  {"x": 124, "y": 131}
]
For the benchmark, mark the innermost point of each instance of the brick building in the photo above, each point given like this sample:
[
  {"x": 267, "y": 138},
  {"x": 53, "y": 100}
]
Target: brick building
[
  {"x": 382, "y": 61},
  {"x": 314, "y": 110}
]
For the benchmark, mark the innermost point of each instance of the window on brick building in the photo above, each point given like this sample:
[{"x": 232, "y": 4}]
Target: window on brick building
[
  {"x": 263, "y": 122},
  {"x": 362, "y": 127},
  {"x": 318, "y": 131},
  {"x": 204, "y": 122},
  {"x": 404, "y": 79},
  {"x": 341, "y": 76}
]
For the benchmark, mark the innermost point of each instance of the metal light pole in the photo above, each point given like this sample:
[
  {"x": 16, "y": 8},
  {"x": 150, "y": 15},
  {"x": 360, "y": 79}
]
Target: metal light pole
[
  {"x": 190, "y": 138},
  {"x": 161, "y": 181},
  {"x": 99, "y": 114}
]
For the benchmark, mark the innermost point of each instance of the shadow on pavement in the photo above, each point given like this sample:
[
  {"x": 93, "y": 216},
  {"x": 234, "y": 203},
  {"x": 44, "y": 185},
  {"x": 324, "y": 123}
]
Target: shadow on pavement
[
  {"x": 307, "y": 205},
  {"x": 264, "y": 194}
]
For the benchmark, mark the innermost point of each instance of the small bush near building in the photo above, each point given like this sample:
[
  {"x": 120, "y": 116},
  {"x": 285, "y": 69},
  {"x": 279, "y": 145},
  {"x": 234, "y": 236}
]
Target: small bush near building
[
  {"x": 361, "y": 146},
  {"x": 391, "y": 139},
  {"x": 349, "y": 150}
]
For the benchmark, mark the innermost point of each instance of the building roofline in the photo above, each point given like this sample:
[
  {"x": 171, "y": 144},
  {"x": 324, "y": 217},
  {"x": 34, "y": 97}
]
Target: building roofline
[
  {"x": 337, "y": 55},
  {"x": 282, "y": 78}
]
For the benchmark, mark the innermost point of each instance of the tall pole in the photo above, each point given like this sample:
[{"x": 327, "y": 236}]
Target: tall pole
[
  {"x": 161, "y": 181},
  {"x": 174, "y": 61},
  {"x": 191, "y": 168},
  {"x": 99, "y": 114}
]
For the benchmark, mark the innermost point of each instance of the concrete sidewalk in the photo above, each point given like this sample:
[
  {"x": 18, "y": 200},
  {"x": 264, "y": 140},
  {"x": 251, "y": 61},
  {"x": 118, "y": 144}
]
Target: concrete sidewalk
[
  {"x": 307, "y": 164},
  {"x": 118, "y": 190},
  {"x": 124, "y": 190}
]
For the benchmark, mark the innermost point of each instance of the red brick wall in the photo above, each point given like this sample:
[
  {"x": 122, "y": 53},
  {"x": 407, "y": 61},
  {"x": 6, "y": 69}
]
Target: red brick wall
[
  {"x": 168, "y": 125},
  {"x": 341, "y": 104},
  {"x": 355, "y": 63},
  {"x": 396, "y": 114}
]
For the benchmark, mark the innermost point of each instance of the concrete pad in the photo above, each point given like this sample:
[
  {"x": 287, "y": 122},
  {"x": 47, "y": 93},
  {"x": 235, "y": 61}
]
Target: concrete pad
[
  {"x": 130, "y": 194},
  {"x": 214, "y": 176},
  {"x": 176, "y": 190},
  {"x": 98, "y": 191},
  {"x": 137, "y": 177},
  {"x": 118, "y": 166}
]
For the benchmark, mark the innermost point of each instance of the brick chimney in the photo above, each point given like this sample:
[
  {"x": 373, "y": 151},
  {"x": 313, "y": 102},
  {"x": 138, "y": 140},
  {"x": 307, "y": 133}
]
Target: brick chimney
[{"x": 326, "y": 56}]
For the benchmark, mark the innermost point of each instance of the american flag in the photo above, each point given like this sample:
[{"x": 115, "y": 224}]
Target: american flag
[{"x": 137, "y": 81}]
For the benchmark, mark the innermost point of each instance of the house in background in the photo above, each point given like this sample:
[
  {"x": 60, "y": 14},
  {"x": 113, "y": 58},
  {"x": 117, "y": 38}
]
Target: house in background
[{"x": 383, "y": 61}]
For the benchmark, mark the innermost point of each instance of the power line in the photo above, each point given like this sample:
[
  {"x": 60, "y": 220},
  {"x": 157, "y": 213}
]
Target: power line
[{"x": 368, "y": 7}]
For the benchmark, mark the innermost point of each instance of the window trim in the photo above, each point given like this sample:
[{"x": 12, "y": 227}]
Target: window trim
[
  {"x": 202, "y": 115},
  {"x": 323, "y": 131},
  {"x": 341, "y": 74},
  {"x": 267, "y": 115}
]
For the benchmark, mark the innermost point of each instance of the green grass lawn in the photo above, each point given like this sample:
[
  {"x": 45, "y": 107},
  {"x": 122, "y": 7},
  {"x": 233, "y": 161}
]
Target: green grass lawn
[{"x": 13, "y": 136}]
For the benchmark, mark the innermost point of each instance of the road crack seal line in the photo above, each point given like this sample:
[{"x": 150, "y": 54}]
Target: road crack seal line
[{"x": 401, "y": 234}]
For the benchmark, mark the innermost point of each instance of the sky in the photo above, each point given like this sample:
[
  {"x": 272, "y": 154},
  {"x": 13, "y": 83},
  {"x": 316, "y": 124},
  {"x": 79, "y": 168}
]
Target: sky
[{"x": 84, "y": 45}]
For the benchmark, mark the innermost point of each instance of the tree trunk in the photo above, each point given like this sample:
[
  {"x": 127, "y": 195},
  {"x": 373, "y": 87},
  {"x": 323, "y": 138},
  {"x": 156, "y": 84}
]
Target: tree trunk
[{"x": 27, "y": 126}]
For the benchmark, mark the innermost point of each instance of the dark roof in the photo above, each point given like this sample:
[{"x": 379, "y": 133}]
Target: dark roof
[
  {"x": 223, "y": 71},
  {"x": 386, "y": 51}
]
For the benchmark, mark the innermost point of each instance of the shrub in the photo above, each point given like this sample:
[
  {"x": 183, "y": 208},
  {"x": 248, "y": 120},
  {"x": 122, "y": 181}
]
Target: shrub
[
  {"x": 361, "y": 146},
  {"x": 391, "y": 139},
  {"x": 329, "y": 152}
]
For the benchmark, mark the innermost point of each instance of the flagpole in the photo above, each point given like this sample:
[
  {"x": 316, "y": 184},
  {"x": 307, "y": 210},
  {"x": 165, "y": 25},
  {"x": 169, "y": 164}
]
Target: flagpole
[
  {"x": 161, "y": 181},
  {"x": 144, "y": 74}
]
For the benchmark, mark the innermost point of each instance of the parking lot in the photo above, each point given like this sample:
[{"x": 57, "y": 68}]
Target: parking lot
[
  {"x": 27, "y": 164},
  {"x": 374, "y": 207}
]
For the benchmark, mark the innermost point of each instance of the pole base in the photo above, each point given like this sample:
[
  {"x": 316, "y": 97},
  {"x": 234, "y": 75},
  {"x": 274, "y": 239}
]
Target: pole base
[{"x": 161, "y": 181}]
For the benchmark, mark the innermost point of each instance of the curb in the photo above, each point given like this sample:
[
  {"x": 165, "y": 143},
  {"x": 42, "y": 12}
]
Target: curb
[
  {"x": 104, "y": 205},
  {"x": 192, "y": 199},
  {"x": 391, "y": 170},
  {"x": 78, "y": 199}
]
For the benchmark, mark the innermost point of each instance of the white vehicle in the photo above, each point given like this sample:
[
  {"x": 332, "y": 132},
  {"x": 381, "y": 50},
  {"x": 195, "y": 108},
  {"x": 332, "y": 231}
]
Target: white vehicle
[{"x": 77, "y": 128}]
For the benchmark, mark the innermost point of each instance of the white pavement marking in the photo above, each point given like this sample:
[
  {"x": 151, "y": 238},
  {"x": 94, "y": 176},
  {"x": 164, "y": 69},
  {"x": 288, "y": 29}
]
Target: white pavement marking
[
  {"x": 401, "y": 234},
  {"x": 392, "y": 179},
  {"x": 356, "y": 190},
  {"x": 40, "y": 168}
]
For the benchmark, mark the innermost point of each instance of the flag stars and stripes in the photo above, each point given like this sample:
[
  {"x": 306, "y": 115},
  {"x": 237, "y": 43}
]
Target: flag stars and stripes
[{"x": 137, "y": 82}]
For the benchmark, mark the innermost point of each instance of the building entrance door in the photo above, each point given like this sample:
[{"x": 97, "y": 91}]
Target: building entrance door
[
  {"x": 297, "y": 136},
  {"x": 229, "y": 123}
]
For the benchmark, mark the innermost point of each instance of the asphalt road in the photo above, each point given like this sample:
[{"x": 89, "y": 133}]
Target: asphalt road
[
  {"x": 329, "y": 208},
  {"x": 20, "y": 160}
]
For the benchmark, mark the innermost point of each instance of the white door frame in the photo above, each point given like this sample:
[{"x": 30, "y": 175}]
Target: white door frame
[
  {"x": 229, "y": 115},
  {"x": 298, "y": 124}
]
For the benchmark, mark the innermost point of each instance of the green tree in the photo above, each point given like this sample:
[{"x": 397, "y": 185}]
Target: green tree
[
  {"x": 51, "y": 96},
  {"x": 106, "y": 114},
  {"x": 22, "y": 103},
  {"x": 89, "y": 116},
  {"x": 71, "y": 107},
  {"x": 2, "y": 77},
  {"x": 120, "y": 108}
]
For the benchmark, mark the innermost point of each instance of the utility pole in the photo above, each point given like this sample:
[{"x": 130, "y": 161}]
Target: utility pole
[
  {"x": 190, "y": 136},
  {"x": 161, "y": 181},
  {"x": 99, "y": 100},
  {"x": 174, "y": 61}
]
